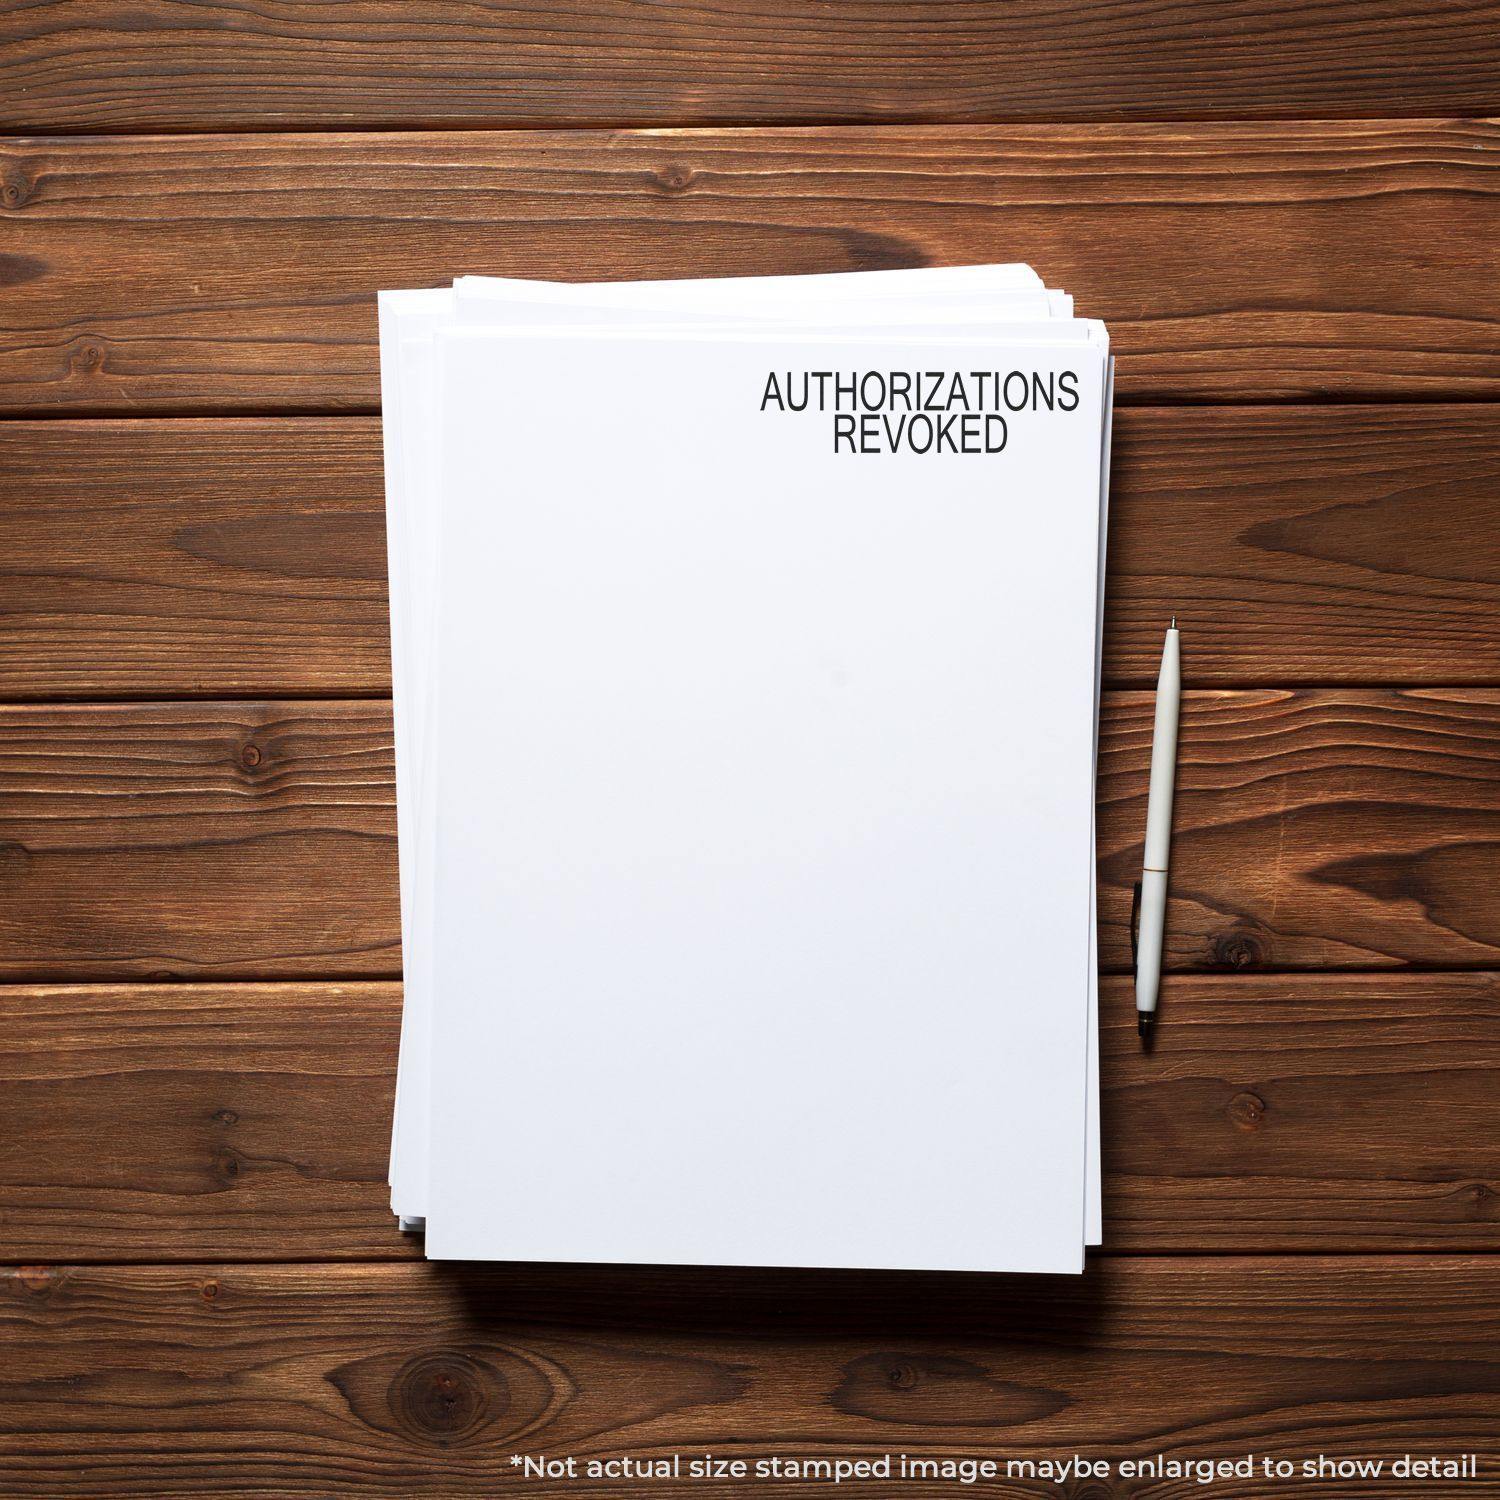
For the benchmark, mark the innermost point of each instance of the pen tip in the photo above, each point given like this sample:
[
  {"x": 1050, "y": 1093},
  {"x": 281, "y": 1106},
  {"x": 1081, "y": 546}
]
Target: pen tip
[
  {"x": 1145, "y": 1023},
  {"x": 1173, "y": 625}
]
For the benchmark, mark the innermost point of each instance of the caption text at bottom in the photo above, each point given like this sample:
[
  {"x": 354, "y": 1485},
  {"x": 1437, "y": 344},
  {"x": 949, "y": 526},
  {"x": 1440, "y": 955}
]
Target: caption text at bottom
[{"x": 844, "y": 1469}]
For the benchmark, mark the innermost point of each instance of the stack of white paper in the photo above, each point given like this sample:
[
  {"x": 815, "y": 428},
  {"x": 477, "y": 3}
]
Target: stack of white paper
[{"x": 745, "y": 654}]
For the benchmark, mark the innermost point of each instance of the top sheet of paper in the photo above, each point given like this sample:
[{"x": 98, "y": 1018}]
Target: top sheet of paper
[{"x": 763, "y": 807}]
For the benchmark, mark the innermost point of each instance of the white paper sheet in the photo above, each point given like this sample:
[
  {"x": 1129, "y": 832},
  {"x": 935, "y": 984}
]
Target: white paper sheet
[
  {"x": 409, "y": 323},
  {"x": 762, "y": 787}
]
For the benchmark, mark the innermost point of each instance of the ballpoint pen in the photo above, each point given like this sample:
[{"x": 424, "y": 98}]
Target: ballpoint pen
[{"x": 1153, "y": 900}]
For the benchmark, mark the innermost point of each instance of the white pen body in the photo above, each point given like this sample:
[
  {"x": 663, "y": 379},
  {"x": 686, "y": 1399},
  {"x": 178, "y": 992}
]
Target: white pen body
[{"x": 1158, "y": 826}]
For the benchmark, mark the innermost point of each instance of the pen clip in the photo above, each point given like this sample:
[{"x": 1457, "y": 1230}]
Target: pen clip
[{"x": 1135, "y": 929}]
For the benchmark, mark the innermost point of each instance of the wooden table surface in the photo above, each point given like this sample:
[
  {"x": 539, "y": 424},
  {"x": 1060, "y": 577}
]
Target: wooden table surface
[{"x": 1289, "y": 215}]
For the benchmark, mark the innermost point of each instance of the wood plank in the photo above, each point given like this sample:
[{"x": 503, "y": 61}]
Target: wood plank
[
  {"x": 393, "y": 1380},
  {"x": 236, "y": 839},
  {"x": 104, "y": 65},
  {"x": 240, "y": 557},
  {"x": 1233, "y": 262},
  {"x": 1342, "y": 827},
  {"x": 198, "y": 1122},
  {"x": 1303, "y": 1112},
  {"x": 1332, "y": 545},
  {"x": 251, "y": 1122},
  {"x": 246, "y": 556}
]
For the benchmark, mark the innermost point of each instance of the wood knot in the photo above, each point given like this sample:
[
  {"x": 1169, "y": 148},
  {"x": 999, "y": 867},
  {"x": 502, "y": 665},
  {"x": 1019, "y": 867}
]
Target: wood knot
[
  {"x": 209, "y": 1291},
  {"x": 38, "y": 1280},
  {"x": 250, "y": 756},
  {"x": 1241, "y": 947},
  {"x": 89, "y": 355},
  {"x": 1480, "y": 1199},
  {"x": 227, "y": 1165},
  {"x": 450, "y": 1397},
  {"x": 674, "y": 178},
  {"x": 446, "y": 1397},
  {"x": 16, "y": 188},
  {"x": 938, "y": 1391},
  {"x": 1246, "y": 1111},
  {"x": 226, "y": 1117}
]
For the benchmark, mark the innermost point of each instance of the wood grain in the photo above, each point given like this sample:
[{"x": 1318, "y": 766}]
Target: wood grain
[
  {"x": 246, "y": 556},
  {"x": 1303, "y": 1112},
  {"x": 198, "y": 1122},
  {"x": 234, "y": 839},
  {"x": 1233, "y": 262},
  {"x": 1298, "y": 546},
  {"x": 1312, "y": 829},
  {"x": 251, "y": 1122},
  {"x": 392, "y": 1380},
  {"x": 1343, "y": 827},
  {"x": 189, "y": 558},
  {"x": 104, "y": 65}
]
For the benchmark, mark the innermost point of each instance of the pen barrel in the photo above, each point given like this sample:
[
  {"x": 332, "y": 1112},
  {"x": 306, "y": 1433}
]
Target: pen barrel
[
  {"x": 1163, "y": 758},
  {"x": 1148, "y": 945}
]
